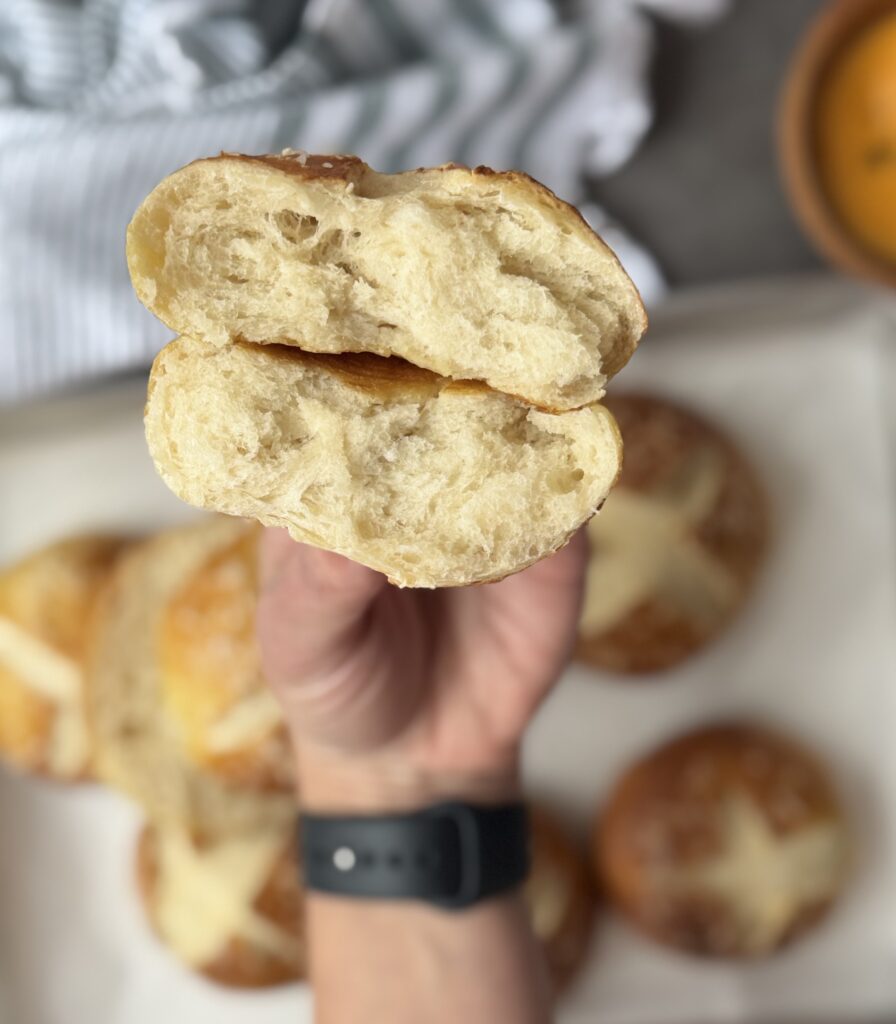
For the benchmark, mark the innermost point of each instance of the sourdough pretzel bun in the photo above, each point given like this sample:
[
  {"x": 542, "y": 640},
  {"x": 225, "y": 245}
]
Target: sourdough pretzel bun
[
  {"x": 232, "y": 910},
  {"x": 729, "y": 841},
  {"x": 210, "y": 672},
  {"x": 432, "y": 482},
  {"x": 139, "y": 744},
  {"x": 470, "y": 273},
  {"x": 676, "y": 551},
  {"x": 46, "y": 602},
  {"x": 560, "y": 896}
]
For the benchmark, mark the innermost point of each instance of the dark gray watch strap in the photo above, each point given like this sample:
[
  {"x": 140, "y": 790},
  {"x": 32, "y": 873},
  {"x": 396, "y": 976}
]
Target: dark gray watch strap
[{"x": 452, "y": 854}]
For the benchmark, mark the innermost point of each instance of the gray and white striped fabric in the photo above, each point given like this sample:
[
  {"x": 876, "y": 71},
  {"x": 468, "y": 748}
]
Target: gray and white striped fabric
[{"x": 99, "y": 99}]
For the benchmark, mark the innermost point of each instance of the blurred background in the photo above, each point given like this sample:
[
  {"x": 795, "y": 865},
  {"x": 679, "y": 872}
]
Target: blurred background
[
  {"x": 661, "y": 112},
  {"x": 740, "y": 157}
]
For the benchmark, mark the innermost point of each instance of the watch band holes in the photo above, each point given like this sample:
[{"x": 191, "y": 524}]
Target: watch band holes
[{"x": 344, "y": 859}]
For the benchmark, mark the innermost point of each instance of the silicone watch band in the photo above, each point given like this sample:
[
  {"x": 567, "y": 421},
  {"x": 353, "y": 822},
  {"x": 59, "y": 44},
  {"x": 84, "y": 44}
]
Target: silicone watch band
[{"x": 452, "y": 854}]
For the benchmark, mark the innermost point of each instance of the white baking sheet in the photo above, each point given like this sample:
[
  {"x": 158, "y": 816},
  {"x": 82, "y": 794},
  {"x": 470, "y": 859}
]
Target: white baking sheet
[{"x": 800, "y": 372}]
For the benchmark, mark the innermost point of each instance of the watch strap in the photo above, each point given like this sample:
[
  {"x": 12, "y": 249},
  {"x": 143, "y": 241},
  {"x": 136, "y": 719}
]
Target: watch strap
[{"x": 452, "y": 854}]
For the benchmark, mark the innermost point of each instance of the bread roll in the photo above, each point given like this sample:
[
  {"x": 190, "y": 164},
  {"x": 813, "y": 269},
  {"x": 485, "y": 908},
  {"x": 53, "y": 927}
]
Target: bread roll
[
  {"x": 139, "y": 744},
  {"x": 472, "y": 274},
  {"x": 676, "y": 551},
  {"x": 46, "y": 602},
  {"x": 231, "y": 909},
  {"x": 560, "y": 896},
  {"x": 210, "y": 671},
  {"x": 434, "y": 483},
  {"x": 729, "y": 841}
]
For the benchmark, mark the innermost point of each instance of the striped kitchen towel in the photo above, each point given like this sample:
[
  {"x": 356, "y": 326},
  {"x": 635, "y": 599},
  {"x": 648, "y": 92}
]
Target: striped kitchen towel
[{"x": 99, "y": 99}]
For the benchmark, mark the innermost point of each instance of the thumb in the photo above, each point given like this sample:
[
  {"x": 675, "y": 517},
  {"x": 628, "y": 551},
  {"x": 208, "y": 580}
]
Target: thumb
[{"x": 312, "y": 605}]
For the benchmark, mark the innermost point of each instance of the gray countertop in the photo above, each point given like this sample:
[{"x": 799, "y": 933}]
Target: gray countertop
[{"x": 703, "y": 191}]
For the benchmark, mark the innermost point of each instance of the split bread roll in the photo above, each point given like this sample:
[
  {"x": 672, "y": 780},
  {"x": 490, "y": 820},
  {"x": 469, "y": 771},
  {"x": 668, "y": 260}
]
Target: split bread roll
[
  {"x": 231, "y": 909},
  {"x": 210, "y": 670},
  {"x": 46, "y": 603},
  {"x": 139, "y": 742},
  {"x": 472, "y": 274},
  {"x": 432, "y": 482}
]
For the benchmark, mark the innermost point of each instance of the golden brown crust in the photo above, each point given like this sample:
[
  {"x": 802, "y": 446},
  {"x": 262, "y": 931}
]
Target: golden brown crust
[
  {"x": 340, "y": 167},
  {"x": 136, "y": 749},
  {"x": 661, "y": 441},
  {"x": 386, "y": 377},
  {"x": 52, "y": 591},
  {"x": 560, "y": 875},
  {"x": 240, "y": 964},
  {"x": 26, "y": 726},
  {"x": 666, "y": 828},
  {"x": 651, "y": 638},
  {"x": 211, "y": 669},
  {"x": 51, "y": 594}
]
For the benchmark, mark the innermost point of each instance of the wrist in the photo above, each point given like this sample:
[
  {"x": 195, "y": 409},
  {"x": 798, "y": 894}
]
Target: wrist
[{"x": 333, "y": 782}]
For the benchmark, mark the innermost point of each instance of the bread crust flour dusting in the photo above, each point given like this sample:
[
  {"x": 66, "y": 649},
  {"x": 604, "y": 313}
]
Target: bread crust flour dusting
[{"x": 729, "y": 841}]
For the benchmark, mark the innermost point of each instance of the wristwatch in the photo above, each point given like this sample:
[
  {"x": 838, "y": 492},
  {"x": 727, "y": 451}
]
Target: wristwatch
[{"x": 451, "y": 855}]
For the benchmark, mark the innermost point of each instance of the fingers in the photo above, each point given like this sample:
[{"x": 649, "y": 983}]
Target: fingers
[
  {"x": 565, "y": 568},
  {"x": 311, "y": 606},
  {"x": 557, "y": 578},
  {"x": 343, "y": 651},
  {"x": 532, "y": 619}
]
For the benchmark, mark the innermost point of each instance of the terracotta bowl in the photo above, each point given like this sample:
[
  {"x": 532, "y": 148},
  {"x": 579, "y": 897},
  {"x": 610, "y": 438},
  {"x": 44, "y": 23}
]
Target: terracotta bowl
[{"x": 832, "y": 30}]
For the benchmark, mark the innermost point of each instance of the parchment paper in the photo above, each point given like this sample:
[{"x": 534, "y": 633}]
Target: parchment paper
[{"x": 801, "y": 374}]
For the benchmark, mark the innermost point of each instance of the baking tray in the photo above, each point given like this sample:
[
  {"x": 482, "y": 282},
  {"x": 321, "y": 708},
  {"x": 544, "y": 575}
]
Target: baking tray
[{"x": 799, "y": 372}]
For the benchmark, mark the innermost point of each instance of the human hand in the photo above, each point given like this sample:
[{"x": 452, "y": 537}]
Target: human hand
[{"x": 395, "y": 698}]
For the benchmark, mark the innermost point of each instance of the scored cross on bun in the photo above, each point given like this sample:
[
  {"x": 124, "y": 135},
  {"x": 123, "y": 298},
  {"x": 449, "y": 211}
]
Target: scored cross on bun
[
  {"x": 729, "y": 841},
  {"x": 400, "y": 368},
  {"x": 212, "y": 686},
  {"x": 47, "y": 602},
  {"x": 232, "y": 908},
  {"x": 677, "y": 550},
  {"x": 144, "y": 744}
]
